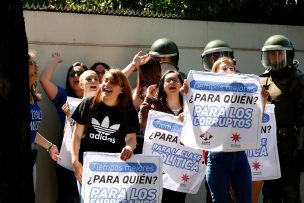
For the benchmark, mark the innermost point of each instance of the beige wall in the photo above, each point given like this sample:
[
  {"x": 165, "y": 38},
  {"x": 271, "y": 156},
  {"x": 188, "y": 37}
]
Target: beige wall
[{"x": 115, "y": 40}]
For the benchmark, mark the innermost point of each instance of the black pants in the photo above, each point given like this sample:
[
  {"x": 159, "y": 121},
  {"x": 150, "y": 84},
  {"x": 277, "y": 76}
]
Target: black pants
[
  {"x": 140, "y": 144},
  {"x": 170, "y": 196},
  {"x": 67, "y": 191},
  {"x": 287, "y": 188}
]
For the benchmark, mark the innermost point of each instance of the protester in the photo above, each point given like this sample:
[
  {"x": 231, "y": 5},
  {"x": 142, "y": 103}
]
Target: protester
[
  {"x": 148, "y": 73},
  {"x": 164, "y": 97},
  {"x": 66, "y": 182},
  {"x": 100, "y": 68},
  {"x": 109, "y": 114},
  {"x": 214, "y": 50},
  {"x": 36, "y": 117},
  {"x": 227, "y": 171},
  {"x": 225, "y": 168},
  {"x": 89, "y": 82}
]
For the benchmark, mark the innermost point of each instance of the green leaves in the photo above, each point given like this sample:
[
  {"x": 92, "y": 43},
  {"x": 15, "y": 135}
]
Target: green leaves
[{"x": 246, "y": 11}]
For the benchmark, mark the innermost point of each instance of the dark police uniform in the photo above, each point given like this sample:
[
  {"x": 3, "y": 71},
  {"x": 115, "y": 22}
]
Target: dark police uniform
[{"x": 285, "y": 87}]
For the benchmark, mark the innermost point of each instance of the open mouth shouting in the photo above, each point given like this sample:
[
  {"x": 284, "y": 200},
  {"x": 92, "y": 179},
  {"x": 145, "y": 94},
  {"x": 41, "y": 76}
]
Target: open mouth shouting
[
  {"x": 76, "y": 82},
  {"x": 93, "y": 87},
  {"x": 107, "y": 91}
]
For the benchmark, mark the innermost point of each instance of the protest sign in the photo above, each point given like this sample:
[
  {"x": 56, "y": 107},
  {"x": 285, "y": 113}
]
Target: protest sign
[
  {"x": 222, "y": 111},
  {"x": 182, "y": 165},
  {"x": 65, "y": 150},
  {"x": 264, "y": 161},
  {"x": 106, "y": 178}
]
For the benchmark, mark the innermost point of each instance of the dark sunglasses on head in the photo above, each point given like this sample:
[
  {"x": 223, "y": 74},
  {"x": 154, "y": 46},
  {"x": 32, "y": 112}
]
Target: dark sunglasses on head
[
  {"x": 77, "y": 64},
  {"x": 73, "y": 73},
  {"x": 32, "y": 62}
]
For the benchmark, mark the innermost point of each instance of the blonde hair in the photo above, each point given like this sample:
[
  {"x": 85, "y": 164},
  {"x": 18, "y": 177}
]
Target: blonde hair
[
  {"x": 86, "y": 73},
  {"x": 32, "y": 54},
  {"x": 225, "y": 60},
  {"x": 34, "y": 94}
]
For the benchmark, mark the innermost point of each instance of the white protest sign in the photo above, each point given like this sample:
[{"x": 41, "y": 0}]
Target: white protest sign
[
  {"x": 182, "y": 165},
  {"x": 106, "y": 178},
  {"x": 222, "y": 111},
  {"x": 264, "y": 161},
  {"x": 65, "y": 150}
]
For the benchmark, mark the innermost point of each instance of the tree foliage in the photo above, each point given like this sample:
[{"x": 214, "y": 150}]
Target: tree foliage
[
  {"x": 16, "y": 177},
  {"x": 257, "y": 11}
]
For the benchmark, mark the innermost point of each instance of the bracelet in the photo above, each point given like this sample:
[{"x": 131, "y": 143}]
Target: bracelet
[{"x": 50, "y": 147}]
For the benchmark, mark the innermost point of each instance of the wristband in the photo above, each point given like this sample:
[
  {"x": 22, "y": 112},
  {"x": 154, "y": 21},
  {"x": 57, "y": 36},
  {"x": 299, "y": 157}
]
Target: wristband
[{"x": 50, "y": 147}]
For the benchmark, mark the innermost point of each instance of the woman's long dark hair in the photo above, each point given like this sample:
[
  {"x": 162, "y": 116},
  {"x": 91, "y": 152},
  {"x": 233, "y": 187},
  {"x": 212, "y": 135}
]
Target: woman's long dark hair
[
  {"x": 106, "y": 66},
  {"x": 161, "y": 95},
  {"x": 148, "y": 74},
  {"x": 69, "y": 90}
]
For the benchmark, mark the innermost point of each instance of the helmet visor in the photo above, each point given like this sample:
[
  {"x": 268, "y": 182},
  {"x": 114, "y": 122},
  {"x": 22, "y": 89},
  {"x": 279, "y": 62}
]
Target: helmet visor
[
  {"x": 163, "y": 59},
  {"x": 209, "y": 59},
  {"x": 274, "y": 59}
]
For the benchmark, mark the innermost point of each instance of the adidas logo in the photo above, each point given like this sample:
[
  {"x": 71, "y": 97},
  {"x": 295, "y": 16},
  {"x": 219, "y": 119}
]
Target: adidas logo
[{"x": 104, "y": 129}]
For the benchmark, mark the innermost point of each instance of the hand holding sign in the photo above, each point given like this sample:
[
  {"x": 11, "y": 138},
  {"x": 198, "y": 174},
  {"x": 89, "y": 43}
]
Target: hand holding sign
[{"x": 126, "y": 153}]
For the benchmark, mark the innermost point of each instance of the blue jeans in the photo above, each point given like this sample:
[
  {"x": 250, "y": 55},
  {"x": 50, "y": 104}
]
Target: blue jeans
[{"x": 225, "y": 169}]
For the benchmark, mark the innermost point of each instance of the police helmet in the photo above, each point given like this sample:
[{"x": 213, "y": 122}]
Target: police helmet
[
  {"x": 277, "y": 52},
  {"x": 214, "y": 50},
  {"x": 165, "y": 50}
]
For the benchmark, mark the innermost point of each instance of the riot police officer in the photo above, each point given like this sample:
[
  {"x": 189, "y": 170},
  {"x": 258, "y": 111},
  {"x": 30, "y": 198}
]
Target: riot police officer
[
  {"x": 284, "y": 82},
  {"x": 214, "y": 50},
  {"x": 166, "y": 51}
]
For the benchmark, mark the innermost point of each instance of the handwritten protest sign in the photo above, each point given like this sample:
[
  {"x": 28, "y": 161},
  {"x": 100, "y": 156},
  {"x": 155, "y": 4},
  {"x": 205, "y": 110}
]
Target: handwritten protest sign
[
  {"x": 264, "y": 161},
  {"x": 222, "y": 111},
  {"x": 184, "y": 171},
  {"x": 108, "y": 179},
  {"x": 65, "y": 150}
]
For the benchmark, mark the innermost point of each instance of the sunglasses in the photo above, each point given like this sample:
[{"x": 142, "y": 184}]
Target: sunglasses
[
  {"x": 174, "y": 80},
  {"x": 73, "y": 73},
  {"x": 32, "y": 62}
]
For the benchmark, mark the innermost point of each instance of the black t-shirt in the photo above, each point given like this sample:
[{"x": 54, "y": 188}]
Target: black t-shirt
[{"x": 106, "y": 126}]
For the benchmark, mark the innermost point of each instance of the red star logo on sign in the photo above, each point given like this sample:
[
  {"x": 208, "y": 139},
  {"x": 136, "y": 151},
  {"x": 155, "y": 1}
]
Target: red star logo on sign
[
  {"x": 185, "y": 178},
  {"x": 236, "y": 137},
  {"x": 256, "y": 165}
]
